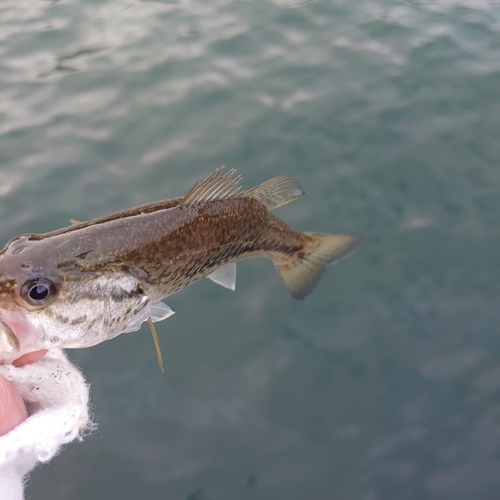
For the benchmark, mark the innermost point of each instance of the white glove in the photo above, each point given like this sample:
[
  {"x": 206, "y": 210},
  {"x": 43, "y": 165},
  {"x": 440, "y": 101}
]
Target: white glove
[{"x": 56, "y": 396}]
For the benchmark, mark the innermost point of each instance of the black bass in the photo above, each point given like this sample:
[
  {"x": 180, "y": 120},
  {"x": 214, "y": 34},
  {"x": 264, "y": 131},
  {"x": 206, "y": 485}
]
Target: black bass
[{"x": 89, "y": 282}]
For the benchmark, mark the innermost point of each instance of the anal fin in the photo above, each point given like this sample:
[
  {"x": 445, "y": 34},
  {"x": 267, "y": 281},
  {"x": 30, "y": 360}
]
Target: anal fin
[{"x": 225, "y": 276}]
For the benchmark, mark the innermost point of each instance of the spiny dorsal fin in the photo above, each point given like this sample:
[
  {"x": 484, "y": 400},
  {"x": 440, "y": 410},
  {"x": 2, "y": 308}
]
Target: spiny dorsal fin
[
  {"x": 277, "y": 191},
  {"x": 272, "y": 194},
  {"x": 217, "y": 186}
]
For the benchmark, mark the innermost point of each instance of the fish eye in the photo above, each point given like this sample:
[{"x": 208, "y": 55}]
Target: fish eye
[{"x": 38, "y": 291}]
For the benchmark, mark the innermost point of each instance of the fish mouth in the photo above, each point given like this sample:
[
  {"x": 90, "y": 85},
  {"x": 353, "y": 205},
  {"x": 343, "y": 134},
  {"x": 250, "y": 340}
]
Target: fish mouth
[
  {"x": 8, "y": 340},
  {"x": 17, "y": 335}
]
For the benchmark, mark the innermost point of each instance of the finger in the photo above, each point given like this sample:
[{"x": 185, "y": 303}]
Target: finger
[{"x": 12, "y": 408}]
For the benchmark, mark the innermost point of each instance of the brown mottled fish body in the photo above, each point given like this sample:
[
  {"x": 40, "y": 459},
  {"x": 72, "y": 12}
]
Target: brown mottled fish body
[
  {"x": 89, "y": 282},
  {"x": 220, "y": 232}
]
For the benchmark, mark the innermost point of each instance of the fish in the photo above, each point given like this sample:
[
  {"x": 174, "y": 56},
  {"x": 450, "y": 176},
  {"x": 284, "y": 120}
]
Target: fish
[{"x": 91, "y": 281}]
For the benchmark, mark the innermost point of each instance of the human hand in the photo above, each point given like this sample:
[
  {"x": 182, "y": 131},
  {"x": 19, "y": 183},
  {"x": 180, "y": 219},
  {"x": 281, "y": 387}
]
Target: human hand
[
  {"x": 57, "y": 396},
  {"x": 12, "y": 407}
]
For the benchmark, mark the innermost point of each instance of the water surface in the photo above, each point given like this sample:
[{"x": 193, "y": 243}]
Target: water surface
[{"x": 385, "y": 383}]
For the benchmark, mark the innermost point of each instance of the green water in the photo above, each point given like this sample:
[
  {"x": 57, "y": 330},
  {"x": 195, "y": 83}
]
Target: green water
[{"x": 385, "y": 383}]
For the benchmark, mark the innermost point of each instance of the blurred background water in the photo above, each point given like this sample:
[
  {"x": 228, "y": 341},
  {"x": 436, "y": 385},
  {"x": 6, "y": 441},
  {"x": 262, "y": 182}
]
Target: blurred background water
[{"x": 385, "y": 383}]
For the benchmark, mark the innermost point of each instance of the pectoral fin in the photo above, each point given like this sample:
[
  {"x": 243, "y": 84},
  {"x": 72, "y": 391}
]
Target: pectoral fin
[
  {"x": 137, "y": 322},
  {"x": 225, "y": 276},
  {"x": 159, "y": 311},
  {"x": 156, "y": 311}
]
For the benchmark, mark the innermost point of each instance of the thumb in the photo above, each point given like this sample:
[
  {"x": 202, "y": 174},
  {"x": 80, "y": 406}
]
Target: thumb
[{"x": 12, "y": 408}]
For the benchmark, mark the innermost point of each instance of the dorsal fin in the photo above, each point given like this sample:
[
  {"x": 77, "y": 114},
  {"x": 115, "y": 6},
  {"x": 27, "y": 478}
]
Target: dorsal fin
[
  {"x": 277, "y": 191},
  {"x": 272, "y": 194},
  {"x": 217, "y": 186}
]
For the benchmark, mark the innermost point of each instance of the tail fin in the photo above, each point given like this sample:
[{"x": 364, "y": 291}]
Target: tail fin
[{"x": 302, "y": 275}]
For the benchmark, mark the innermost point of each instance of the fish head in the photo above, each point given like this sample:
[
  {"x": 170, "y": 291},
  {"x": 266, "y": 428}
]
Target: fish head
[
  {"x": 29, "y": 282},
  {"x": 52, "y": 298}
]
